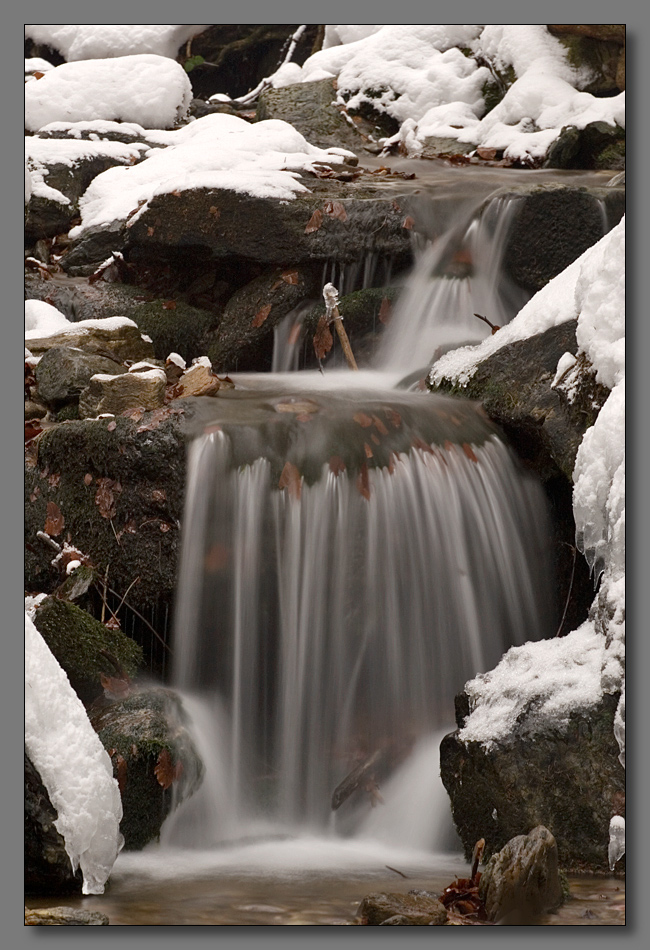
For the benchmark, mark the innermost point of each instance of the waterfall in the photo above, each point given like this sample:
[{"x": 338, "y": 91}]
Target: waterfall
[{"x": 348, "y": 562}]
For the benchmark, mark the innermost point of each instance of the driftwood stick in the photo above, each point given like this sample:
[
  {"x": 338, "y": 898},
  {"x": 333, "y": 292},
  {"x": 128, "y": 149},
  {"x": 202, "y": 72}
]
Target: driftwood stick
[
  {"x": 354, "y": 779},
  {"x": 331, "y": 296}
]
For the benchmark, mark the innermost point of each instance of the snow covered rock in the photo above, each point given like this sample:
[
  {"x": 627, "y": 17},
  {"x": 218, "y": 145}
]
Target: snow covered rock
[
  {"x": 116, "y": 394},
  {"x": 90, "y": 41},
  {"x": 152, "y": 90},
  {"x": 116, "y": 338},
  {"x": 64, "y": 371},
  {"x": 73, "y": 765}
]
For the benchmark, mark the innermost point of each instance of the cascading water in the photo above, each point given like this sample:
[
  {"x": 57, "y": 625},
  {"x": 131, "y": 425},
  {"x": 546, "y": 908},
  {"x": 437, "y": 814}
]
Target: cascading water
[{"x": 348, "y": 563}]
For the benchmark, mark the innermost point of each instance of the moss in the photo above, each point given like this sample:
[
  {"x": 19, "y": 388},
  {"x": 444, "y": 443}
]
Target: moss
[
  {"x": 179, "y": 330},
  {"x": 611, "y": 157},
  {"x": 492, "y": 94},
  {"x": 599, "y": 56},
  {"x": 76, "y": 640}
]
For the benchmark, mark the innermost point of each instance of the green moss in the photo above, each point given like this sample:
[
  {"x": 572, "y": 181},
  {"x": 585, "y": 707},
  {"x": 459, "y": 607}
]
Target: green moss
[
  {"x": 179, "y": 330},
  {"x": 611, "y": 157},
  {"x": 69, "y": 411}
]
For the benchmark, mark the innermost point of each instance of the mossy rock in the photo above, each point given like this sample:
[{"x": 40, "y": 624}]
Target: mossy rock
[
  {"x": 76, "y": 640},
  {"x": 179, "y": 329},
  {"x": 597, "y": 146},
  {"x": 599, "y": 57},
  {"x": 154, "y": 759}
]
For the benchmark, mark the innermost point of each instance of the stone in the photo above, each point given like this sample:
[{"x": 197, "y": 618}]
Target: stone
[
  {"x": 64, "y": 917},
  {"x": 521, "y": 881},
  {"x": 64, "y": 371},
  {"x": 47, "y": 866},
  {"x": 410, "y": 909},
  {"x": 141, "y": 539},
  {"x": 567, "y": 778},
  {"x": 198, "y": 380},
  {"x": 116, "y": 338},
  {"x": 154, "y": 759},
  {"x": 34, "y": 410},
  {"x": 116, "y": 394},
  {"x": 76, "y": 639},
  {"x": 435, "y": 147},
  {"x": 598, "y": 146},
  {"x": 310, "y": 108}
]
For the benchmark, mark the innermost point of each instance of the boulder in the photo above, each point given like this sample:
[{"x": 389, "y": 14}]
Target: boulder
[
  {"x": 117, "y": 394},
  {"x": 153, "y": 758},
  {"x": 522, "y": 880},
  {"x": 118, "y": 485},
  {"x": 402, "y": 909},
  {"x": 599, "y": 146},
  {"x": 115, "y": 338},
  {"x": 311, "y": 108},
  {"x": 64, "y": 371},
  {"x": 64, "y": 917},
  {"x": 567, "y": 778},
  {"x": 47, "y": 865},
  {"x": 77, "y": 640}
]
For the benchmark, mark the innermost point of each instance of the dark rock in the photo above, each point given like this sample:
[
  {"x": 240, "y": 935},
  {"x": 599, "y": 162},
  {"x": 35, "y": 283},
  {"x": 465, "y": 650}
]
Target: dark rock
[
  {"x": 522, "y": 881},
  {"x": 611, "y": 32},
  {"x": 599, "y": 146},
  {"x": 310, "y": 108},
  {"x": 147, "y": 469},
  {"x": 117, "y": 394},
  {"x": 64, "y": 371},
  {"x": 64, "y": 917},
  {"x": 411, "y": 909},
  {"x": 567, "y": 778},
  {"x": 199, "y": 108},
  {"x": 47, "y": 865},
  {"x": 596, "y": 56},
  {"x": 154, "y": 759},
  {"x": 244, "y": 337},
  {"x": 553, "y": 226},
  {"x": 353, "y": 218},
  {"x": 76, "y": 640},
  {"x": 514, "y": 385}
]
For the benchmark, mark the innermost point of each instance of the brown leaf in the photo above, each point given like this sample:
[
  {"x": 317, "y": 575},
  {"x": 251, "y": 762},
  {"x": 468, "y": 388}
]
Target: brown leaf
[
  {"x": 34, "y": 495},
  {"x": 88, "y": 479},
  {"x": 54, "y": 521},
  {"x": 375, "y": 438},
  {"x": 120, "y": 766},
  {"x": 53, "y": 480},
  {"x": 448, "y": 445},
  {"x": 177, "y": 193},
  {"x": 261, "y": 315},
  {"x": 164, "y": 527},
  {"x": 169, "y": 305},
  {"x": 136, "y": 414},
  {"x": 165, "y": 771},
  {"x": 112, "y": 426},
  {"x": 385, "y": 311},
  {"x": 215, "y": 212},
  {"x": 290, "y": 479},
  {"x": 367, "y": 450},
  {"x": 337, "y": 465},
  {"x": 118, "y": 687},
  {"x": 314, "y": 222},
  {"x": 393, "y": 417},
  {"x": 419, "y": 443},
  {"x": 408, "y": 223},
  {"x": 378, "y": 424},
  {"x": 323, "y": 339},
  {"x": 362, "y": 419},
  {"x": 488, "y": 154},
  {"x": 469, "y": 452},
  {"x": 149, "y": 231},
  {"x": 336, "y": 210},
  {"x": 363, "y": 482},
  {"x": 105, "y": 496},
  {"x": 159, "y": 494},
  {"x": 32, "y": 429},
  {"x": 290, "y": 276}
]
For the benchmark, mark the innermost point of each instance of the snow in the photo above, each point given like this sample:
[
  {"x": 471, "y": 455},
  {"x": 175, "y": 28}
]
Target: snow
[
  {"x": 98, "y": 127},
  {"x": 42, "y": 320},
  {"x": 216, "y": 151},
  {"x": 178, "y": 360},
  {"x": 28, "y": 184},
  {"x": 151, "y": 90},
  {"x": 74, "y": 766},
  {"x": 433, "y": 89},
  {"x": 537, "y": 685},
  {"x": 36, "y": 65},
  {"x": 85, "y": 41}
]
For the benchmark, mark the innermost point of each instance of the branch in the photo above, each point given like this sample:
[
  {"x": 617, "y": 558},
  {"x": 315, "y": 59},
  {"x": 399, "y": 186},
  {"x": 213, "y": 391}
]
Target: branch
[{"x": 331, "y": 296}]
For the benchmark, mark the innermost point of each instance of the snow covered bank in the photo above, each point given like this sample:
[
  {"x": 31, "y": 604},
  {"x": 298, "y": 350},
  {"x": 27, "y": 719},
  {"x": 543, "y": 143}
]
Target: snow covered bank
[
  {"x": 216, "y": 151},
  {"x": 73, "y": 765},
  {"x": 152, "y": 90},
  {"x": 434, "y": 81},
  {"x": 86, "y": 41}
]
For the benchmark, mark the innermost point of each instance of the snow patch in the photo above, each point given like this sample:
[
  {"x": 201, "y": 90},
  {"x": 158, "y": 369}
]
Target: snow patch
[{"x": 84, "y": 41}]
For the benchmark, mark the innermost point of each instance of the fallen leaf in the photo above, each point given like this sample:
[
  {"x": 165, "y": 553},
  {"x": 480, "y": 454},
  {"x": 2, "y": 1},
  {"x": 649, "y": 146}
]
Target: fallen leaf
[
  {"x": 367, "y": 450},
  {"x": 375, "y": 438},
  {"x": 177, "y": 193},
  {"x": 158, "y": 416},
  {"x": 488, "y": 154},
  {"x": 165, "y": 771},
  {"x": 290, "y": 276},
  {"x": 169, "y": 305},
  {"x": 419, "y": 443},
  {"x": 363, "y": 482},
  {"x": 314, "y": 222},
  {"x": 88, "y": 479},
  {"x": 159, "y": 494},
  {"x": 32, "y": 429},
  {"x": 164, "y": 527},
  {"x": 336, "y": 210},
  {"x": 117, "y": 686},
  {"x": 385, "y": 311},
  {"x": 54, "y": 520},
  {"x": 53, "y": 480},
  {"x": 362, "y": 419},
  {"x": 261, "y": 315},
  {"x": 34, "y": 495},
  {"x": 215, "y": 212},
  {"x": 120, "y": 768},
  {"x": 150, "y": 231},
  {"x": 112, "y": 426},
  {"x": 105, "y": 496},
  {"x": 136, "y": 414},
  {"x": 408, "y": 223},
  {"x": 378, "y": 424},
  {"x": 469, "y": 452},
  {"x": 337, "y": 465},
  {"x": 448, "y": 445},
  {"x": 393, "y": 417},
  {"x": 323, "y": 339},
  {"x": 291, "y": 479}
]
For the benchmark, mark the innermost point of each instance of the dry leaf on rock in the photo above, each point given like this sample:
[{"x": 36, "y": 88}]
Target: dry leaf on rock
[
  {"x": 291, "y": 480},
  {"x": 323, "y": 339},
  {"x": 105, "y": 496},
  {"x": 261, "y": 315},
  {"x": 54, "y": 520}
]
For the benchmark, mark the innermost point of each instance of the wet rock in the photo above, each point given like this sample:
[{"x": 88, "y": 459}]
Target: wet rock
[
  {"x": 47, "y": 865},
  {"x": 436, "y": 147},
  {"x": 567, "y": 778},
  {"x": 34, "y": 410},
  {"x": 310, "y": 108},
  {"x": 64, "y": 371},
  {"x": 154, "y": 759},
  {"x": 117, "y": 339},
  {"x": 116, "y": 394},
  {"x": 522, "y": 881},
  {"x": 409, "y": 909},
  {"x": 338, "y": 220},
  {"x": 64, "y": 917},
  {"x": 546, "y": 423},
  {"x": 553, "y": 226},
  {"x": 244, "y": 337},
  {"x": 120, "y": 492},
  {"x": 599, "y": 146},
  {"x": 76, "y": 639}
]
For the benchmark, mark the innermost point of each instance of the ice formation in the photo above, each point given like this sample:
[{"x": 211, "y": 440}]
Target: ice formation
[{"x": 74, "y": 766}]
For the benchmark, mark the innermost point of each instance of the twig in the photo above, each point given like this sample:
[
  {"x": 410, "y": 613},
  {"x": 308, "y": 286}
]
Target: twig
[
  {"x": 104, "y": 604},
  {"x": 568, "y": 596},
  {"x": 396, "y": 871},
  {"x": 331, "y": 296},
  {"x": 138, "y": 614},
  {"x": 115, "y": 533},
  {"x": 136, "y": 581},
  {"x": 492, "y": 326},
  {"x": 266, "y": 82},
  {"x": 42, "y": 536},
  {"x": 479, "y": 847}
]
